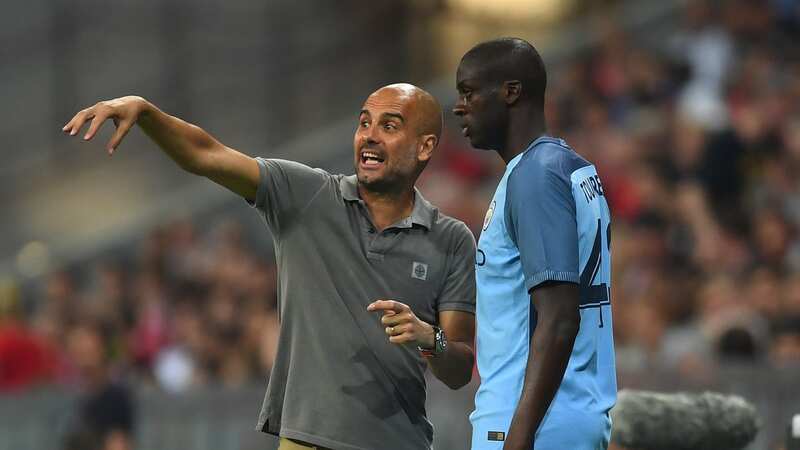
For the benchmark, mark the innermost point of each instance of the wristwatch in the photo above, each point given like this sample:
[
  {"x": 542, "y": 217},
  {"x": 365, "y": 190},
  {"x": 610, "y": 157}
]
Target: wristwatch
[{"x": 439, "y": 344}]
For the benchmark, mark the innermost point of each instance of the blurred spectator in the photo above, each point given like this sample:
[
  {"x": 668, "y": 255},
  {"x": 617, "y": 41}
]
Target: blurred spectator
[
  {"x": 706, "y": 49},
  {"x": 785, "y": 349},
  {"x": 150, "y": 329},
  {"x": 105, "y": 415},
  {"x": 177, "y": 366},
  {"x": 791, "y": 290},
  {"x": 25, "y": 359}
]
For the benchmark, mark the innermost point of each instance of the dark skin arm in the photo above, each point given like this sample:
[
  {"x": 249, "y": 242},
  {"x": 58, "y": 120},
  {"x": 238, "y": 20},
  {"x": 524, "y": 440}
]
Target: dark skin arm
[
  {"x": 454, "y": 366},
  {"x": 558, "y": 323}
]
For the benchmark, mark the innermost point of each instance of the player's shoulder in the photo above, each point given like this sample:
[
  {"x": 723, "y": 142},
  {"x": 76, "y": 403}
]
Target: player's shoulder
[
  {"x": 290, "y": 168},
  {"x": 453, "y": 228},
  {"x": 549, "y": 156},
  {"x": 450, "y": 224}
]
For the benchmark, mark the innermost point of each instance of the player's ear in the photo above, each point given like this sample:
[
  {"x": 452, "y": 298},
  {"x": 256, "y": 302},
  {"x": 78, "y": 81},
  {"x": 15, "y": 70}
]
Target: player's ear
[
  {"x": 426, "y": 147},
  {"x": 512, "y": 90}
]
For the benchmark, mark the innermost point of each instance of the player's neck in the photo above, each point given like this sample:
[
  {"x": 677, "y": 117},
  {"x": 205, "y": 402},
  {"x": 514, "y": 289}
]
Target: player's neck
[
  {"x": 386, "y": 208},
  {"x": 522, "y": 130}
]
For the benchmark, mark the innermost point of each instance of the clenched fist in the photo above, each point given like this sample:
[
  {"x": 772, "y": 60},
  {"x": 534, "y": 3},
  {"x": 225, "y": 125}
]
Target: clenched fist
[{"x": 402, "y": 325}]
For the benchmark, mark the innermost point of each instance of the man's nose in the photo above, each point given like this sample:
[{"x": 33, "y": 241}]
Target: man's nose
[
  {"x": 374, "y": 134},
  {"x": 458, "y": 109},
  {"x": 369, "y": 137}
]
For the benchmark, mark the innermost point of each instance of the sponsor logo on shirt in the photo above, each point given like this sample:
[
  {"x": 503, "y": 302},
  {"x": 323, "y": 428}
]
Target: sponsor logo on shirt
[
  {"x": 496, "y": 436},
  {"x": 488, "y": 219},
  {"x": 419, "y": 271}
]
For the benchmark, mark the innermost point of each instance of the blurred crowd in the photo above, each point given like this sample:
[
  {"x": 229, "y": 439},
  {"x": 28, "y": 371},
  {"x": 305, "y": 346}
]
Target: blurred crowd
[
  {"x": 696, "y": 136},
  {"x": 184, "y": 310}
]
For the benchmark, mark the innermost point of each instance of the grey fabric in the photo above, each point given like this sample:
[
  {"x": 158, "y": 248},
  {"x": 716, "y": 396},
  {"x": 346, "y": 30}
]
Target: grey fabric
[{"x": 337, "y": 382}]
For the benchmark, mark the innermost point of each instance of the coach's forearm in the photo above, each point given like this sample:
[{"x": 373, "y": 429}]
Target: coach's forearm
[
  {"x": 454, "y": 366},
  {"x": 188, "y": 145},
  {"x": 551, "y": 346}
]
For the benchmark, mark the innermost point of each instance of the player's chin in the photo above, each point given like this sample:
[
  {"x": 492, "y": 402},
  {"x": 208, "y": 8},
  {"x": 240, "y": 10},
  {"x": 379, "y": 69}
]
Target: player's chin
[{"x": 477, "y": 143}]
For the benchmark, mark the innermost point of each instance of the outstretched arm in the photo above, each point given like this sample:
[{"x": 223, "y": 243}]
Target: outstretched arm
[{"x": 193, "y": 149}]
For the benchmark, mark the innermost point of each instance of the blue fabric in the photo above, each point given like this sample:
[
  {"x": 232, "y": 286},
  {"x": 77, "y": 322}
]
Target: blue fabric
[
  {"x": 548, "y": 221},
  {"x": 540, "y": 216}
]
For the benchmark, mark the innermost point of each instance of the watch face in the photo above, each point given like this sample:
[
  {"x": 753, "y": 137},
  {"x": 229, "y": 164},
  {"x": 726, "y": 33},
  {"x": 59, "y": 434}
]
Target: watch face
[{"x": 441, "y": 342}]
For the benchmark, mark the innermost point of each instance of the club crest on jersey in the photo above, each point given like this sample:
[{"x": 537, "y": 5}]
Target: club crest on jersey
[
  {"x": 419, "y": 271},
  {"x": 489, "y": 213}
]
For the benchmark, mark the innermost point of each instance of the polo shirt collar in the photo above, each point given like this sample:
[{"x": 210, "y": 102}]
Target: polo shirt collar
[
  {"x": 349, "y": 187},
  {"x": 423, "y": 213}
]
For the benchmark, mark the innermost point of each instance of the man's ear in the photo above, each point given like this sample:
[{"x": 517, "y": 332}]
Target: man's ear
[
  {"x": 512, "y": 90},
  {"x": 427, "y": 146}
]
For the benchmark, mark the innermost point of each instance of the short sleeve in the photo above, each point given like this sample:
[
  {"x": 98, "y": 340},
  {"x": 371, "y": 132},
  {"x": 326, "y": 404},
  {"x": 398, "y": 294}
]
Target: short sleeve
[
  {"x": 458, "y": 292},
  {"x": 541, "y": 220},
  {"x": 285, "y": 189}
]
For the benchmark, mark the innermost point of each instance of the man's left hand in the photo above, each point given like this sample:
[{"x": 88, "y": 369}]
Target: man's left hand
[{"x": 402, "y": 325}]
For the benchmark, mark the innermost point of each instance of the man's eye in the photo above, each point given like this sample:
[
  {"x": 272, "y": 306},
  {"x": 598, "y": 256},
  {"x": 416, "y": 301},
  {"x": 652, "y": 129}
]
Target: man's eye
[
  {"x": 389, "y": 127},
  {"x": 364, "y": 124}
]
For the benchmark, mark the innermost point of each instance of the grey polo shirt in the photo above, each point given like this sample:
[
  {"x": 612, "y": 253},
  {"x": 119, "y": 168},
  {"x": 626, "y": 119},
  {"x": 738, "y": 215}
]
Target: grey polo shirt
[{"x": 337, "y": 381}]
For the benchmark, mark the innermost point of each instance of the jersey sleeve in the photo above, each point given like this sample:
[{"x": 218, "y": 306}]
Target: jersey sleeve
[
  {"x": 541, "y": 221},
  {"x": 285, "y": 189},
  {"x": 458, "y": 292}
]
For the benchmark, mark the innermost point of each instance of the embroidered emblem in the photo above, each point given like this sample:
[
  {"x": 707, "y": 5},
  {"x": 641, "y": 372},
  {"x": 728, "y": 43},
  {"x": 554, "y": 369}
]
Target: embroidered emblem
[
  {"x": 488, "y": 219},
  {"x": 419, "y": 271}
]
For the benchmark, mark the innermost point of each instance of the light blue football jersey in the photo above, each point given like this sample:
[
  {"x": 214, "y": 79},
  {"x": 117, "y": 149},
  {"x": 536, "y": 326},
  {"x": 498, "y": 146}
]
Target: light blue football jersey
[{"x": 548, "y": 221}]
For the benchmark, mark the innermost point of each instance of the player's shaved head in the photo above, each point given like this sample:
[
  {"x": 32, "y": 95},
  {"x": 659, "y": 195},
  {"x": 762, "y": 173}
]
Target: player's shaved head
[
  {"x": 501, "y": 85},
  {"x": 422, "y": 108},
  {"x": 508, "y": 59}
]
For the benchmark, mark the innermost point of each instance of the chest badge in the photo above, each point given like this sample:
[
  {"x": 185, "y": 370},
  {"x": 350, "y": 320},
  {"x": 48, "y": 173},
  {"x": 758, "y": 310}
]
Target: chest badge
[
  {"x": 419, "y": 271},
  {"x": 489, "y": 213}
]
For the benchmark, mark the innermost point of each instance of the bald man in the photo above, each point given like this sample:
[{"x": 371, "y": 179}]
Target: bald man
[{"x": 375, "y": 285}]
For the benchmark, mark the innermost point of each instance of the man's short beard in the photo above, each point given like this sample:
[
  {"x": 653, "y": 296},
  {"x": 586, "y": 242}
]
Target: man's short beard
[
  {"x": 379, "y": 186},
  {"x": 391, "y": 184}
]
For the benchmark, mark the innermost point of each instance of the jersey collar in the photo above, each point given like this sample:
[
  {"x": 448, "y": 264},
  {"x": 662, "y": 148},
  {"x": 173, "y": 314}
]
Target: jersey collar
[{"x": 542, "y": 139}]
